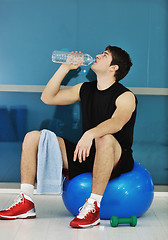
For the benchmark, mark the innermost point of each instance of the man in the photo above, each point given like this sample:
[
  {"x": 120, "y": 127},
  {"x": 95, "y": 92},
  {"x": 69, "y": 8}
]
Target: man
[{"x": 108, "y": 117}]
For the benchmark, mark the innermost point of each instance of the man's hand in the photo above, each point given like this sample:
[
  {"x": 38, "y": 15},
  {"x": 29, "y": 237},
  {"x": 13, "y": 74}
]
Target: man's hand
[
  {"x": 70, "y": 58},
  {"x": 83, "y": 147}
]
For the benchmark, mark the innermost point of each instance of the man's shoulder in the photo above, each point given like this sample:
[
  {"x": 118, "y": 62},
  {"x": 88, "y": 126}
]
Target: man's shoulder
[
  {"x": 92, "y": 83},
  {"x": 89, "y": 84},
  {"x": 87, "y": 88},
  {"x": 126, "y": 91},
  {"x": 124, "y": 88}
]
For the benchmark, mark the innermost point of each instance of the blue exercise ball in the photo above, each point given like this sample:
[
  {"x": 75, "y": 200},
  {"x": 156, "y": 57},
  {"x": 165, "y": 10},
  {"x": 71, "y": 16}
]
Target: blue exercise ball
[{"x": 130, "y": 194}]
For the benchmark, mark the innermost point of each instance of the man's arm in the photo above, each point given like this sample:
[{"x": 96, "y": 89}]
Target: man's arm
[
  {"x": 125, "y": 106},
  {"x": 52, "y": 93}
]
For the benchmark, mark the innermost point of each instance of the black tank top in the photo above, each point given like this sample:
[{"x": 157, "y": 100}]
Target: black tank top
[{"x": 99, "y": 105}]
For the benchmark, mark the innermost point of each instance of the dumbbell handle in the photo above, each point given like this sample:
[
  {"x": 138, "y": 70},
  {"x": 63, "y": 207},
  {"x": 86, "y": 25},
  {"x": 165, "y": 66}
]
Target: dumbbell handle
[{"x": 124, "y": 220}]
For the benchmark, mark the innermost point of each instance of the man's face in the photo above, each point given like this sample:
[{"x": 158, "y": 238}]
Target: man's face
[{"x": 102, "y": 62}]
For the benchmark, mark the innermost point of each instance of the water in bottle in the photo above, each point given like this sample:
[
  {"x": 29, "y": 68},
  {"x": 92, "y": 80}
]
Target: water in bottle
[{"x": 71, "y": 58}]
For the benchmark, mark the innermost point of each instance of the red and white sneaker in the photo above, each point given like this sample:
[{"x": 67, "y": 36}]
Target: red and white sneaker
[
  {"x": 23, "y": 207},
  {"x": 88, "y": 216}
]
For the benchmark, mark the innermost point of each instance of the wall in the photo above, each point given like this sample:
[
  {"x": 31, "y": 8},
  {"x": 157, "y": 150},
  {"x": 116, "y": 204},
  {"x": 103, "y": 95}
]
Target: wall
[{"x": 31, "y": 30}]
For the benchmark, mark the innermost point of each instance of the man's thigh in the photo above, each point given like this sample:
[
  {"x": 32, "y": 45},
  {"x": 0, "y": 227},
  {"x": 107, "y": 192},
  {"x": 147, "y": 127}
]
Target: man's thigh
[
  {"x": 76, "y": 168},
  {"x": 109, "y": 144},
  {"x": 63, "y": 152}
]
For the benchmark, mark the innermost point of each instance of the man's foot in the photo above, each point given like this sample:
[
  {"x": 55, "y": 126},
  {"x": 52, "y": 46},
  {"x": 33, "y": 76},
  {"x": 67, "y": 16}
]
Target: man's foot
[
  {"x": 23, "y": 207},
  {"x": 88, "y": 216}
]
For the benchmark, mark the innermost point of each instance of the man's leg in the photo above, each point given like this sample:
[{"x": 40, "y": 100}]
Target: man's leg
[
  {"x": 29, "y": 156},
  {"x": 28, "y": 166},
  {"x": 29, "y": 160},
  {"x": 108, "y": 153},
  {"x": 23, "y": 207}
]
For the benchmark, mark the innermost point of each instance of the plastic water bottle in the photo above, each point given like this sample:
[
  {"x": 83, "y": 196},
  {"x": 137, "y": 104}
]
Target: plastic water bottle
[{"x": 71, "y": 58}]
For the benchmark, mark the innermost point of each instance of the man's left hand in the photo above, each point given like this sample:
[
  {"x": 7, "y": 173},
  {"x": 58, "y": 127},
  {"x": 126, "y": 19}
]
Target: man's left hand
[{"x": 83, "y": 147}]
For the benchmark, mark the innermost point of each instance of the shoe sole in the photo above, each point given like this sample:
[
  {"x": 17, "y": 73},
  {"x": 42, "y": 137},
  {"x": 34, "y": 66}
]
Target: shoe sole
[
  {"x": 86, "y": 226},
  {"x": 27, "y": 215}
]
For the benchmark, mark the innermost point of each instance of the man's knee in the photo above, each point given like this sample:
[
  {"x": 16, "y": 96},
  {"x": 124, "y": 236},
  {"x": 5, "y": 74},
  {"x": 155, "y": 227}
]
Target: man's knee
[
  {"x": 31, "y": 139},
  {"x": 105, "y": 141},
  {"x": 63, "y": 152},
  {"x": 60, "y": 140}
]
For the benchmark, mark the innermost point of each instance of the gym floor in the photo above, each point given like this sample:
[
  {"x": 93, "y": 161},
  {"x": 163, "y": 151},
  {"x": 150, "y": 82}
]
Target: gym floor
[{"x": 53, "y": 219}]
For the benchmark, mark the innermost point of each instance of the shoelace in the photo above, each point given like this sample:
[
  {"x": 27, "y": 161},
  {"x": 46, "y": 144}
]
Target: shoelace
[
  {"x": 19, "y": 199},
  {"x": 85, "y": 209}
]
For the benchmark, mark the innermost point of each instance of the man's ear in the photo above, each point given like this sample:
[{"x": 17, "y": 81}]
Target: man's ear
[{"x": 114, "y": 68}]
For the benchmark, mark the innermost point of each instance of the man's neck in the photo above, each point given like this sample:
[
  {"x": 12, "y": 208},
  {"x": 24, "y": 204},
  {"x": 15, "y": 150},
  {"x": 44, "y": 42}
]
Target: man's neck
[{"x": 104, "y": 82}]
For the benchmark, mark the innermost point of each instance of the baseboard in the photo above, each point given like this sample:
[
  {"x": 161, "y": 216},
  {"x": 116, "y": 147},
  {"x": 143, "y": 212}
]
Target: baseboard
[{"x": 14, "y": 188}]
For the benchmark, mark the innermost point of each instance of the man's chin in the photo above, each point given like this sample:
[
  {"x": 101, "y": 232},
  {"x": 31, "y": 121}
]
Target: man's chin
[{"x": 92, "y": 67}]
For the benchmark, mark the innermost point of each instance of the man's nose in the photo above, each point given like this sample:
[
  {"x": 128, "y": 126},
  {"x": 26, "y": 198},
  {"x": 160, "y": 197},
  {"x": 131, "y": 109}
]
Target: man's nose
[{"x": 98, "y": 56}]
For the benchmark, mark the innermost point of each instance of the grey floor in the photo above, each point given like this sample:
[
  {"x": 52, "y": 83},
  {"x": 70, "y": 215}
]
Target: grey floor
[{"x": 53, "y": 219}]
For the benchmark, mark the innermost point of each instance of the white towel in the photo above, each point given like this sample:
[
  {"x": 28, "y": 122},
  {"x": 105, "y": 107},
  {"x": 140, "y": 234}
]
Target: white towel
[{"x": 49, "y": 164}]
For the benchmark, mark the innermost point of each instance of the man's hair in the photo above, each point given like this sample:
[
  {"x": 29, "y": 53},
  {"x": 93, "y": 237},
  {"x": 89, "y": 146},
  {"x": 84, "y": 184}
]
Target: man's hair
[{"x": 120, "y": 58}]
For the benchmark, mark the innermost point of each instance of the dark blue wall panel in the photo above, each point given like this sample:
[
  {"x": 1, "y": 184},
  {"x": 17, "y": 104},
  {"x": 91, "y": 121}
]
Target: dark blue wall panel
[{"x": 150, "y": 137}]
